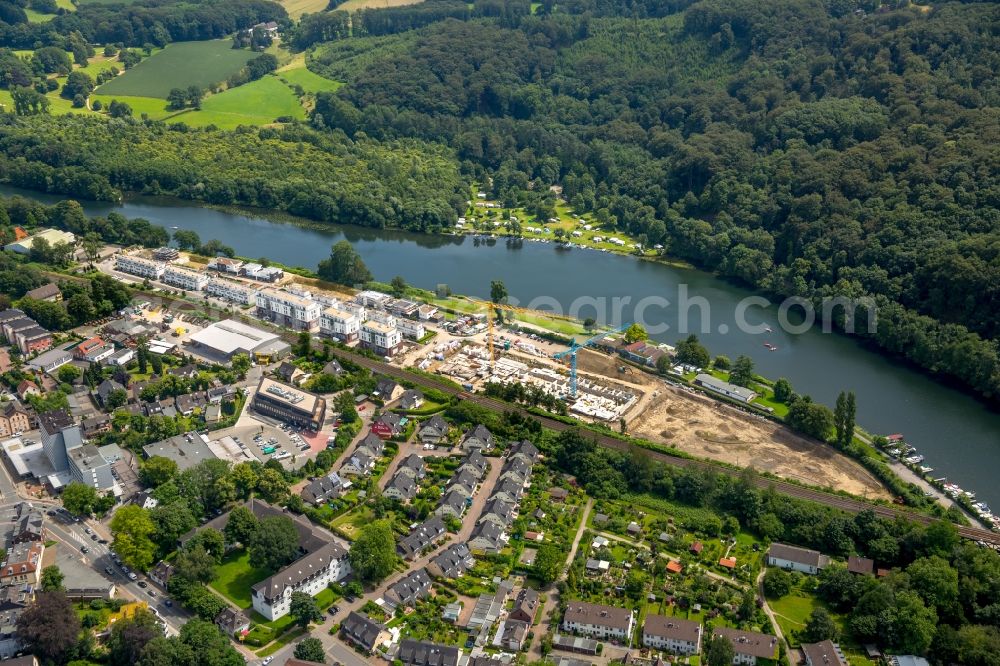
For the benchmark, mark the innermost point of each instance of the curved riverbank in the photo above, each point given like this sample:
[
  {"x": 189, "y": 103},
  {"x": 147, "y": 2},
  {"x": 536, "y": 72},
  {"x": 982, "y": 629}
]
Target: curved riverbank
[{"x": 954, "y": 431}]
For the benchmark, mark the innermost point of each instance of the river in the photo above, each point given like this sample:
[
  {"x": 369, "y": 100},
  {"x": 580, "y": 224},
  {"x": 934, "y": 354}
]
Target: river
[{"x": 958, "y": 435}]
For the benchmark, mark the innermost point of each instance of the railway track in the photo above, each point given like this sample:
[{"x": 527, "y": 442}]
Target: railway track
[{"x": 847, "y": 504}]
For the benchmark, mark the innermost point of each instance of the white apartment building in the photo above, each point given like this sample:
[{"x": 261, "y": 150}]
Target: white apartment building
[
  {"x": 340, "y": 323},
  {"x": 301, "y": 313},
  {"x": 675, "y": 635},
  {"x": 411, "y": 329},
  {"x": 383, "y": 317},
  {"x": 598, "y": 621},
  {"x": 381, "y": 338},
  {"x": 232, "y": 291},
  {"x": 373, "y": 299},
  {"x": 311, "y": 574},
  {"x": 184, "y": 278},
  {"x": 133, "y": 265}
]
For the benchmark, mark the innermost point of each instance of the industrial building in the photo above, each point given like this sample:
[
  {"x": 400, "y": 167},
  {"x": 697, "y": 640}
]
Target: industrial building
[
  {"x": 289, "y": 404},
  {"x": 52, "y": 236},
  {"x": 225, "y": 339}
]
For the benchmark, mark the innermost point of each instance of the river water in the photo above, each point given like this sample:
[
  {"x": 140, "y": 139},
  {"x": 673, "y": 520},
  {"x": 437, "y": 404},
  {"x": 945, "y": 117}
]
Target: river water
[{"x": 958, "y": 435}]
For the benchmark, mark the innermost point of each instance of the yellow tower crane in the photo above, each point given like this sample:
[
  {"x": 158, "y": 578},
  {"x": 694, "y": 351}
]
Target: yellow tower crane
[{"x": 491, "y": 312}]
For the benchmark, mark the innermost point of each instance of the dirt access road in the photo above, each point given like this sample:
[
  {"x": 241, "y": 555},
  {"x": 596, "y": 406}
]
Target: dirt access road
[{"x": 711, "y": 429}]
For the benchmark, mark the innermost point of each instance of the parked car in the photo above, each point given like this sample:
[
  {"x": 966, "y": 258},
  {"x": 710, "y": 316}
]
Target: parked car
[{"x": 143, "y": 583}]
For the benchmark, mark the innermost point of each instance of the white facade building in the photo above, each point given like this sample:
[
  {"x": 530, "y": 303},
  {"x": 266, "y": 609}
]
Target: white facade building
[
  {"x": 672, "y": 634},
  {"x": 232, "y": 291},
  {"x": 311, "y": 574},
  {"x": 185, "y": 278},
  {"x": 381, "y": 338},
  {"x": 411, "y": 329},
  {"x": 599, "y": 621},
  {"x": 299, "y": 312},
  {"x": 338, "y": 322},
  {"x": 133, "y": 265}
]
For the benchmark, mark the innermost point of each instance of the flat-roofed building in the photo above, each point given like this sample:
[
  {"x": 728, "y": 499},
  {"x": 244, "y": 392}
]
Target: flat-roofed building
[
  {"x": 411, "y": 329},
  {"x": 749, "y": 646},
  {"x": 184, "y": 278},
  {"x": 185, "y": 450},
  {"x": 289, "y": 404},
  {"x": 51, "y": 236},
  {"x": 136, "y": 265},
  {"x": 227, "y": 338},
  {"x": 721, "y": 387},
  {"x": 381, "y": 338},
  {"x": 341, "y": 323},
  {"x": 94, "y": 350},
  {"x": 166, "y": 254},
  {"x": 672, "y": 634},
  {"x": 88, "y": 466},
  {"x": 231, "y": 290},
  {"x": 226, "y": 265},
  {"x": 598, "y": 620},
  {"x": 50, "y": 360},
  {"x": 301, "y": 313}
]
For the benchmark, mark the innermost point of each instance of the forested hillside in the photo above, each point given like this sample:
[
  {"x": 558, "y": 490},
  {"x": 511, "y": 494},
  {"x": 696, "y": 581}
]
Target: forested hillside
[
  {"x": 803, "y": 149},
  {"x": 325, "y": 177}
]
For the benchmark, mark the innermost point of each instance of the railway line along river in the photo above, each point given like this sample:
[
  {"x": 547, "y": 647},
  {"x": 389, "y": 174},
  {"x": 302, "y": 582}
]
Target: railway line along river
[{"x": 959, "y": 436}]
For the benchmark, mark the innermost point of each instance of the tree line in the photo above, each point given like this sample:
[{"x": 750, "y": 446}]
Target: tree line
[{"x": 743, "y": 138}]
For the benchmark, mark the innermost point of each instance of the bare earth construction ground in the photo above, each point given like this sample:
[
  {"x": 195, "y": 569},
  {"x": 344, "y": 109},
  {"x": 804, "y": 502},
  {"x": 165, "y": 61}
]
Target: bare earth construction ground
[{"x": 709, "y": 429}]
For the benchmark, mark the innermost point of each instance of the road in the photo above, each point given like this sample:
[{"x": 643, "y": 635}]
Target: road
[
  {"x": 552, "y": 592},
  {"x": 848, "y": 504},
  {"x": 335, "y": 648}
]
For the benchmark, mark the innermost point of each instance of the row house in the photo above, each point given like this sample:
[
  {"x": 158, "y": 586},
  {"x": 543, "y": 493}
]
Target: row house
[
  {"x": 411, "y": 329},
  {"x": 231, "y": 290},
  {"x": 140, "y": 266},
  {"x": 454, "y": 503},
  {"x": 479, "y": 438},
  {"x": 411, "y": 588},
  {"x": 599, "y": 621},
  {"x": 322, "y": 489},
  {"x": 423, "y": 536},
  {"x": 23, "y": 332},
  {"x": 452, "y": 562},
  {"x": 301, "y": 313},
  {"x": 672, "y": 634},
  {"x": 401, "y": 487},
  {"x": 388, "y": 425},
  {"x": 381, "y": 338},
  {"x": 488, "y": 537},
  {"x": 184, "y": 278},
  {"x": 476, "y": 464},
  {"x": 23, "y": 564},
  {"x": 341, "y": 323}
]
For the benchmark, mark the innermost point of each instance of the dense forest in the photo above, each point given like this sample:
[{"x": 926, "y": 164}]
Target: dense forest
[
  {"x": 322, "y": 176},
  {"x": 156, "y": 22},
  {"x": 811, "y": 148},
  {"x": 802, "y": 149}
]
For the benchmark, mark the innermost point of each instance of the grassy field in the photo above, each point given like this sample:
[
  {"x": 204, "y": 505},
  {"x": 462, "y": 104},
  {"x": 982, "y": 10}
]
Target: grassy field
[
  {"x": 355, "y": 5},
  {"x": 235, "y": 576},
  {"x": 39, "y": 17},
  {"x": 155, "y": 109},
  {"x": 179, "y": 66},
  {"x": 310, "y": 81},
  {"x": 296, "y": 8},
  {"x": 256, "y": 103}
]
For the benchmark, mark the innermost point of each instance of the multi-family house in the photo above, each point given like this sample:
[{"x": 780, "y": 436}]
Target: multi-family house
[
  {"x": 794, "y": 558},
  {"x": 597, "y": 620},
  {"x": 748, "y": 646},
  {"x": 672, "y": 634},
  {"x": 423, "y": 536},
  {"x": 478, "y": 438},
  {"x": 453, "y": 562},
  {"x": 433, "y": 431},
  {"x": 184, "y": 278},
  {"x": 301, "y": 313}
]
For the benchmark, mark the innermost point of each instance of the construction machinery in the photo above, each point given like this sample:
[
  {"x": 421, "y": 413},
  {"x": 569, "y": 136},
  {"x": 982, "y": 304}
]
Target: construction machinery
[
  {"x": 491, "y": 313},
  {"x": 575, "y": 347}
]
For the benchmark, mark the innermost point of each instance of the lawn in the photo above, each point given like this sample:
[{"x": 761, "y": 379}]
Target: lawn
[
  {"x": 256, "y": 103},
  {"x": 234, "y": 578},
  {"x": 310, "y": 81},
  {"x": 180, "y": 65},
  {"x": 39, "y": 17}
]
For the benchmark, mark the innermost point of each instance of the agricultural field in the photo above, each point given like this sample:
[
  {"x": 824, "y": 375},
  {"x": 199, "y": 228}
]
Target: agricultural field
[
  {"x": 178, "y": 66},
  {"x": 355, "y": 5},
  {"x": 296, "y": 8},
  {"x": 256, "y": 103}
]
